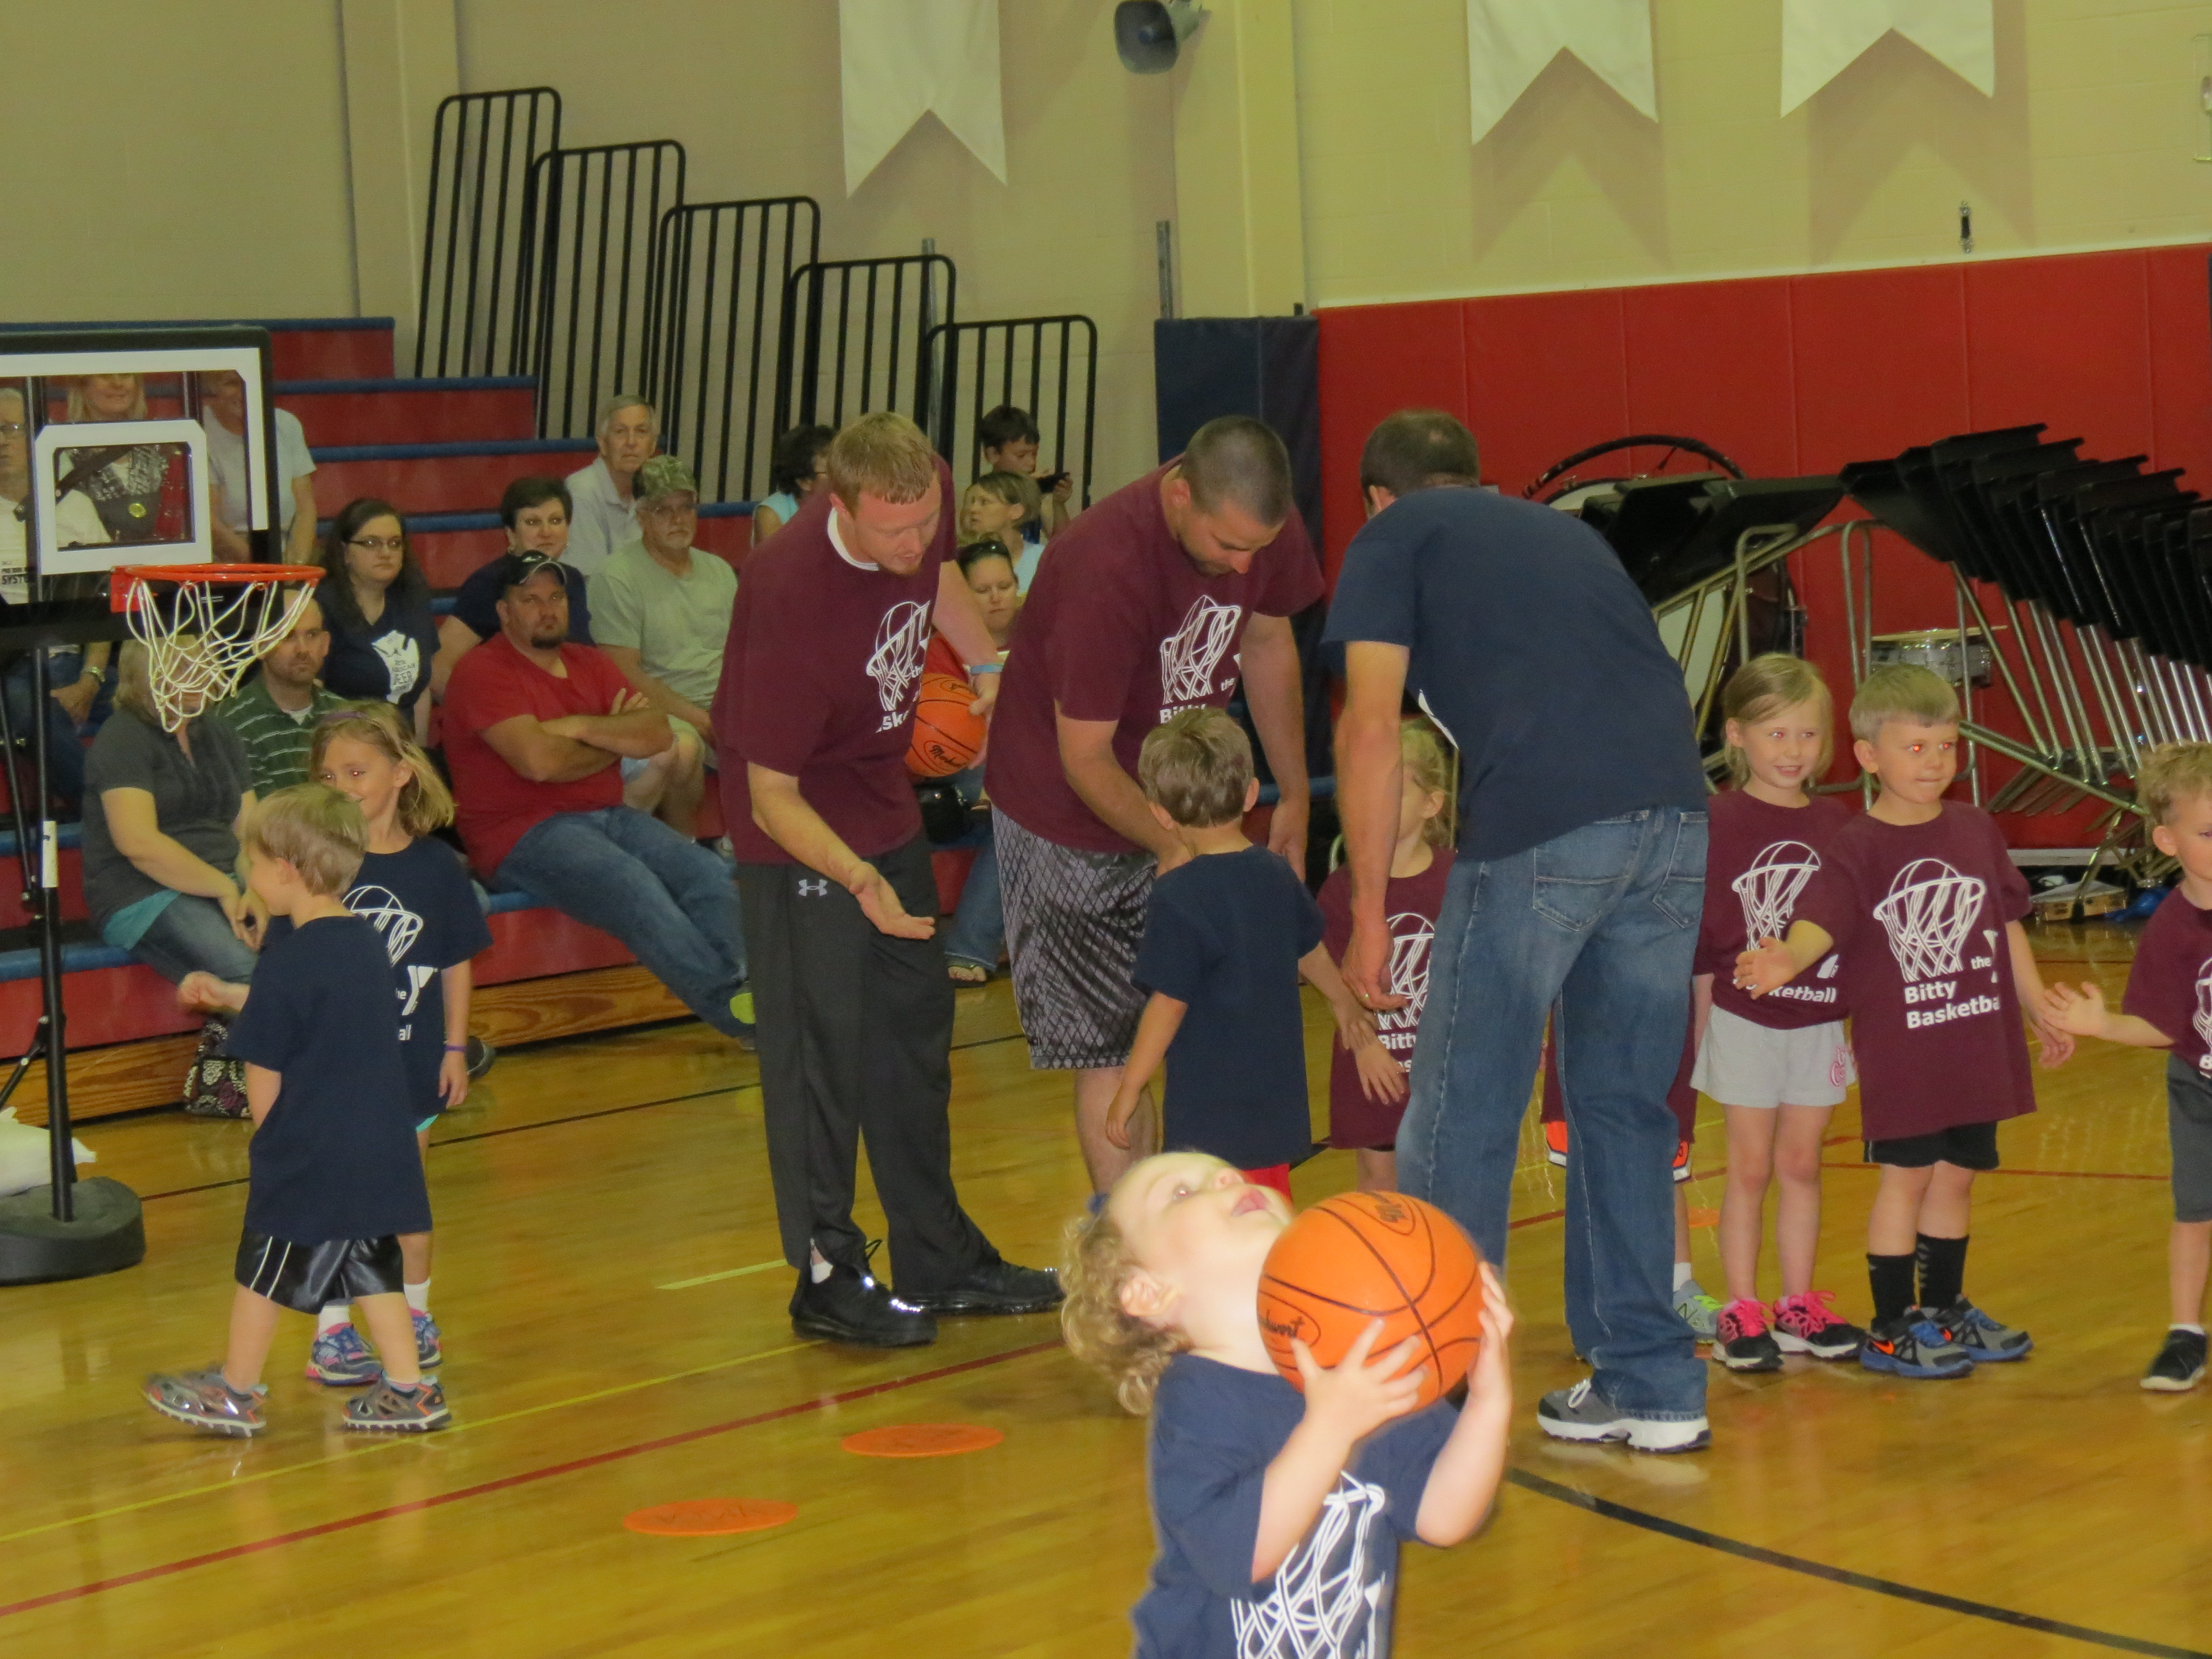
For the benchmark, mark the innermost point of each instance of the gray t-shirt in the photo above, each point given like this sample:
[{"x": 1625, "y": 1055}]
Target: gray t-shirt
[
  {"x": 195, "y": 801},
  {"x": 678, "y": 625}
]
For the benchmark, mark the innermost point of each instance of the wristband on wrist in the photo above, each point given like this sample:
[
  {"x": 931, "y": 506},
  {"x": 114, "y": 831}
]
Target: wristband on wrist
[
  {"x": 975, "y": 668},
  {"x": 456, "y": 1048}
]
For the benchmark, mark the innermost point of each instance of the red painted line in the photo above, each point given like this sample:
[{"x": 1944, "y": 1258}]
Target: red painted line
[
  {"x": 507, "y": 1481},
  {"x": 1531, "y": 1220},
  {"x": 2063, "y": 1174}
]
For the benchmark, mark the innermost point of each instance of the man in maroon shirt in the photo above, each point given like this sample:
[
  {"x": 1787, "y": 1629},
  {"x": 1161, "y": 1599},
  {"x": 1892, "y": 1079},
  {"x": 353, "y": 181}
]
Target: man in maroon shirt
[
  {"x": 1138, "y": 611},
  {"x": 813, "y": 716},
  {"x": 536, "y": 730}
]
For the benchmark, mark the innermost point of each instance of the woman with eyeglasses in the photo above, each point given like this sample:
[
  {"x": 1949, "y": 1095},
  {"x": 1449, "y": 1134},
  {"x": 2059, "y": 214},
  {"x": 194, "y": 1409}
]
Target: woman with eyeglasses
[{"x": 376, "y": 603}]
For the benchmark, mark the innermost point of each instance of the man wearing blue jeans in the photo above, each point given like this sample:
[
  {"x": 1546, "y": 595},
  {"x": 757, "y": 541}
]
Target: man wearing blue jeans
[
  {"x": 535, "y": 730},
  {"x": 1579, "y": 883}
]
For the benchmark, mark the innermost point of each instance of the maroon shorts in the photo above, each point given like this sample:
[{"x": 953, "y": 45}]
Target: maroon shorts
[{"x": 1681, "y": 1098}]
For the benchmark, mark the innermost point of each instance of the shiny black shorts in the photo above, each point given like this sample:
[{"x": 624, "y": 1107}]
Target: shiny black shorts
[
  {"x": 307, "y": 1278},
  {"x": 1966, "y": 1145}
]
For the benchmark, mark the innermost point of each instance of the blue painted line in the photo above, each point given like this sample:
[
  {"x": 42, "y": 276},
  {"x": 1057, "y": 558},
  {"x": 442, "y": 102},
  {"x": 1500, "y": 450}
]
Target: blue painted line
[
  {"x": 70, "y": 835},
  {"x": 449, "y": 452}
]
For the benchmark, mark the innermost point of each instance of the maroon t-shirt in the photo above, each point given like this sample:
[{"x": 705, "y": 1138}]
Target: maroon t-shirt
[
  {"x": 1918, "y": 913},
  {"x": 494, "y": 804},
  {"x": 2171, "y": 983},
  {"x": 819, "y": 680},
  {"x": 1759, "y": 857},
  {"x": 1119, "y": 625},
  {"x": 1412, "y": 903}
]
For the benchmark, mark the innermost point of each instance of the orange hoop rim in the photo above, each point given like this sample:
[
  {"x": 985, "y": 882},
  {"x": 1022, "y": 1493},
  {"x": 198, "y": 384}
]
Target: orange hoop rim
[{"x": 128, "y": 578}]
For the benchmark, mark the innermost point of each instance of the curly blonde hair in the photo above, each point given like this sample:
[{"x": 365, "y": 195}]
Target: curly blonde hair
[{"x": 1098, "y": 1329}]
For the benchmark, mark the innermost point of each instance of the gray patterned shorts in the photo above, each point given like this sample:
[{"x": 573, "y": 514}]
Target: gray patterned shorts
[{"x": 1073, "y": 922}]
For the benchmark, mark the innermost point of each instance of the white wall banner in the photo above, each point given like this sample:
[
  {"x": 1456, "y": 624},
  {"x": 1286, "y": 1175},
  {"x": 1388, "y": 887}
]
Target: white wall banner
[
  {"x": 1509, "y": 41},
  {"x": 1822, "y": 37},
  {"x": 907, "y": 58}
]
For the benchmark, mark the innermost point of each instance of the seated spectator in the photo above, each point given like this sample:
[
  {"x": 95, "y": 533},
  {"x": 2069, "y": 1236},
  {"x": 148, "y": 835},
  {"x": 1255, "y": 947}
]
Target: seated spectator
[
  {"x": 73, "y": 673},
  {"x": 798, "y": 467},
  {"x": 977, "y": 938},
  {"x": 663, "y": 610},
  {"x": 603, "y": 514},
  {"x": 1008, "y": 437},
  {"x": 537, "y": 513},
  {"x": 161, "y": 842},
  {"x": 140, "y": 490},
  {"x": 376, "y": 602},
  {"x": 535, "y": 728},
  {"x": 1005, "y": 506},
  {"x": 275, "y": 711},
  {"x": 222, "y": 413}
]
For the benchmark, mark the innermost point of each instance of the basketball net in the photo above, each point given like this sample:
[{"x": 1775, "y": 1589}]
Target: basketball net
[{"x": 217, "y": 624}]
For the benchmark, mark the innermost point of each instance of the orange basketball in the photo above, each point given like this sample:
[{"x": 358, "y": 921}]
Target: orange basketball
[
  {"x": 946, "y": 737},
  {"x": 1363, "y": 1256}
]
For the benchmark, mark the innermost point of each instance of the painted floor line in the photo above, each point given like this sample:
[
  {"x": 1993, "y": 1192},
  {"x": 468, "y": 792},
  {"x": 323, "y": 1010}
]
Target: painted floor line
[
  {"x": 727, "y": 1272},
  {"x": 509, "y": 1482},
  {"x": 1960, "y": 1604}
]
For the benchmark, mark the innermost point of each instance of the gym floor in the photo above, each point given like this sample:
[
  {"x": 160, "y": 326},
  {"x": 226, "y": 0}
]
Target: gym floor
[{"x": 614, "y": 1310}]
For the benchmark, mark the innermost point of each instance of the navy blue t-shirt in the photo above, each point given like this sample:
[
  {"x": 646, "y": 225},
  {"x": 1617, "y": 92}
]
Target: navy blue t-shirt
[
  {"x": 1223, "y": 933},
  {"x": 476, "y": 604},
  {"x": 1535, "y": 653},
  {"x": 1215, "y": 1429},
  {"x": 387, "y": 661},
  {"x": 335, "y": 1156}
]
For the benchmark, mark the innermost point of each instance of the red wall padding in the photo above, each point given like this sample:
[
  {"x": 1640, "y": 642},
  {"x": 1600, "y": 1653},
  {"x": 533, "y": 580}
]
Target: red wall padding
[{"x": 1799, "y": 374}]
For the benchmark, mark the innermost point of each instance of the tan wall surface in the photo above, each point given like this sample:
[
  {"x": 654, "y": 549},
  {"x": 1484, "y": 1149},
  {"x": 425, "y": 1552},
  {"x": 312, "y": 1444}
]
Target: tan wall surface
[
  {"x": 751, "y": 90},
  {"x": 172, "y": 160},
  {"x": 2086, "y": 143}
]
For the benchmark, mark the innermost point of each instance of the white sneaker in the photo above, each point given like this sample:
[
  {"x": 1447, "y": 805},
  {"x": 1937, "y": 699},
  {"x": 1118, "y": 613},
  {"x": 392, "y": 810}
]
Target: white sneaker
[{"x": 1577, "y": 1413}]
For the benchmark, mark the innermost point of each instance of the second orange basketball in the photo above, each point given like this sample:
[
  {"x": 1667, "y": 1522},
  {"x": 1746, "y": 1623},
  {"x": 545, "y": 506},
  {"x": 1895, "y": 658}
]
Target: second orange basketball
[
  {"x": 946, "y": 737},
  {"x": 1358, "y": 1257}
]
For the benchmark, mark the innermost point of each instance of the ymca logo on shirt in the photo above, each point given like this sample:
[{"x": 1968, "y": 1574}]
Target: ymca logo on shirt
[
  {"x": 1929, "y": 913},
  {"x": 402, "y": 662},
  {"x": 1768, "y": 891},
  {"x": 1190, "y": 656},
  {"x": 901, "y": 642},
  {"x": 1411, "y": 937},
  {"x": 399, "y": 928}
]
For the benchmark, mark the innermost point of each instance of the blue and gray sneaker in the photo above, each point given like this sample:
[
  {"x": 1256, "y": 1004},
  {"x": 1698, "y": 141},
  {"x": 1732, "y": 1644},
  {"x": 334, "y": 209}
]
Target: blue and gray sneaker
[
  {"x": 1983, "y": 1338},
  {"x": 340, "y": 1359},
  {"x": 428, "y": 1349},
  {"x": 1914, "y": 1345}
]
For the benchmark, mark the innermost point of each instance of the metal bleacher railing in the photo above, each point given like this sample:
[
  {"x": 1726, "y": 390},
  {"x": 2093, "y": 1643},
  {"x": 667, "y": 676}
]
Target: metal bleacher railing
[
  {"x": 1047, "y": 365},
  {"x": 722, "y": 271},
  {"x": 473, "y": 315},
  {"x": 854, "y": 334}
]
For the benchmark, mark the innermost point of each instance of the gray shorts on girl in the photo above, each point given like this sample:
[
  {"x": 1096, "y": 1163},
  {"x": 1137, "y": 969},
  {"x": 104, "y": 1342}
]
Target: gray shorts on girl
[{"x": 1743, "y": 1064}]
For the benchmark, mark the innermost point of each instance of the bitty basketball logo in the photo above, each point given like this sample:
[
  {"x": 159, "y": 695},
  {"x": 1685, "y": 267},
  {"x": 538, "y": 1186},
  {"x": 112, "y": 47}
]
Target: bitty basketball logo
[
  {"x": 1768, "y": 891},
  {"x": 2203, "y": 1021},
  {"x": 1927, "y": 914},
  {"x": 1412, "y": 936},
  {"x": 901, "y": 642},
  {"x": 1190, "y": 655}
]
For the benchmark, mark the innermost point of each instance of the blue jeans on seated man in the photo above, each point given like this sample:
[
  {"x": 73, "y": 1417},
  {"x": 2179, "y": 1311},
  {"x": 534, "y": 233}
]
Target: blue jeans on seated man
[
  {"x": 1603, "y": 921},
  {"x": 666, "y": 897},
  {"x": 977, "y": 937},
  {"x": 64, "y": 744}
]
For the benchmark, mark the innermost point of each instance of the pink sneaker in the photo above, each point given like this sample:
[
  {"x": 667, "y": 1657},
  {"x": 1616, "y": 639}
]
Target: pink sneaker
[
  {"x": 1803, "y": 1324},
  {"x": 1741, "y": 1341}
]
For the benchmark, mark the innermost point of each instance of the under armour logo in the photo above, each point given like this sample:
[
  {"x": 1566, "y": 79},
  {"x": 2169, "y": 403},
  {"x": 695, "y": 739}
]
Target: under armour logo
[{"x": 812, "y": 888}]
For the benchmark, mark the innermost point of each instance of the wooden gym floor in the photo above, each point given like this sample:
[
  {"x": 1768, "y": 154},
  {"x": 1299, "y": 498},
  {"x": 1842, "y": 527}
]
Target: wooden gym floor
[{"x": 615, "y": 1315}]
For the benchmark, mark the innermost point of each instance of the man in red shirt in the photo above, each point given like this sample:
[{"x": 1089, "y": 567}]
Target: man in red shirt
[
  {"x": 535, "y": 731},
  {"x": 813, "y": 715},
  {"x": 1156, "y": 600}
]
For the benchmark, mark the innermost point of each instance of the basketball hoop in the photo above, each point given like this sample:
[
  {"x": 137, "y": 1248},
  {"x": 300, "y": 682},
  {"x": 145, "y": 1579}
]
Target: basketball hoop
[{"x": 218, "y": 620}]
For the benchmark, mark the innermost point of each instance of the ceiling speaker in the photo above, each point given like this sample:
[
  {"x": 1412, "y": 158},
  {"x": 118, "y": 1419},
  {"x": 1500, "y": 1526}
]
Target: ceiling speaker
[{"x": 1148, "y": 33}]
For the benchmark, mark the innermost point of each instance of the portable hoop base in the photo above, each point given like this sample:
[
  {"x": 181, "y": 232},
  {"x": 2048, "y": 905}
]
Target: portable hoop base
[{"x": 106, "y": 1234}]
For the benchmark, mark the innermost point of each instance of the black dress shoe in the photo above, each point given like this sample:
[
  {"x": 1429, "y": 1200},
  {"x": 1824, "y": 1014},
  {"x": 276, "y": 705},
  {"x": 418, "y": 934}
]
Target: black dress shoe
[
  {"x": 853, "y": 1308},
  {"x": 996, "y": 1287}
]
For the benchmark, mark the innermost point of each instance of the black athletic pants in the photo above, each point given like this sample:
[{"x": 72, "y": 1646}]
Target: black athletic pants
[{"x": 855, "y": 1031}]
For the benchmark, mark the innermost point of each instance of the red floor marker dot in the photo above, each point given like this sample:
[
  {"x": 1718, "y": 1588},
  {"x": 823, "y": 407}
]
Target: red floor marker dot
[
  {"x": 710, "y": 1517},
  {"x": 922, "y": 1440}
]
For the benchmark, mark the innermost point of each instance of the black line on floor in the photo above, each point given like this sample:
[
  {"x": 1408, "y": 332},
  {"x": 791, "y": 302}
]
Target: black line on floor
[
  {"x": 553, "y": 1122},
  {"x": 1689, "y": 1535}
]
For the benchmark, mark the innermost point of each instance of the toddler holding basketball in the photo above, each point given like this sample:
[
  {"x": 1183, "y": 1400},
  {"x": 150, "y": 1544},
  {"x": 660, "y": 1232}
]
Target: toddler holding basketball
[
  {"x": 1228, "y": 935},
  {"x": 335, "y": 1175},
  {"x": 1366, "y": 1081},
  {"x": 1278, "y": 1515},
  {"x": 1934, "y": 1016},
  {"x": 2165, "y": 1007}
]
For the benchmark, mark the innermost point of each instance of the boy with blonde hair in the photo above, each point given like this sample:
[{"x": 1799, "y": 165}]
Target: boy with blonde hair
[
  {"x": 2168, "y": 1004},
  {"x": 336, "y": 1177},
  {"x": 1229, "y": 933},
  {"x": 1934, "y": 1015}
]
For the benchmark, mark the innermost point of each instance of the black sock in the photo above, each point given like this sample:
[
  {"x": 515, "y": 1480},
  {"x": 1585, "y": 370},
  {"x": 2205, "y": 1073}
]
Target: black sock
[
  {"x": 1891, "y": 1277},
  {"x": 1942, "y": 1271}
]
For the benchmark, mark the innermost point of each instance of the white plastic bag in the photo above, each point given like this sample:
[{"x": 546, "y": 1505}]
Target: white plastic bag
[{"x": 23, "y": 1159}]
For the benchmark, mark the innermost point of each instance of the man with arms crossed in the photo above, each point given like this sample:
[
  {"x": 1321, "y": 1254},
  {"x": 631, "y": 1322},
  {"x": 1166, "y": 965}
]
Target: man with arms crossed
[
  {"x": 1582, "y": 835},
  {"x": 1138, "y": 611},
  {"x": 813, "y": 716}
]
